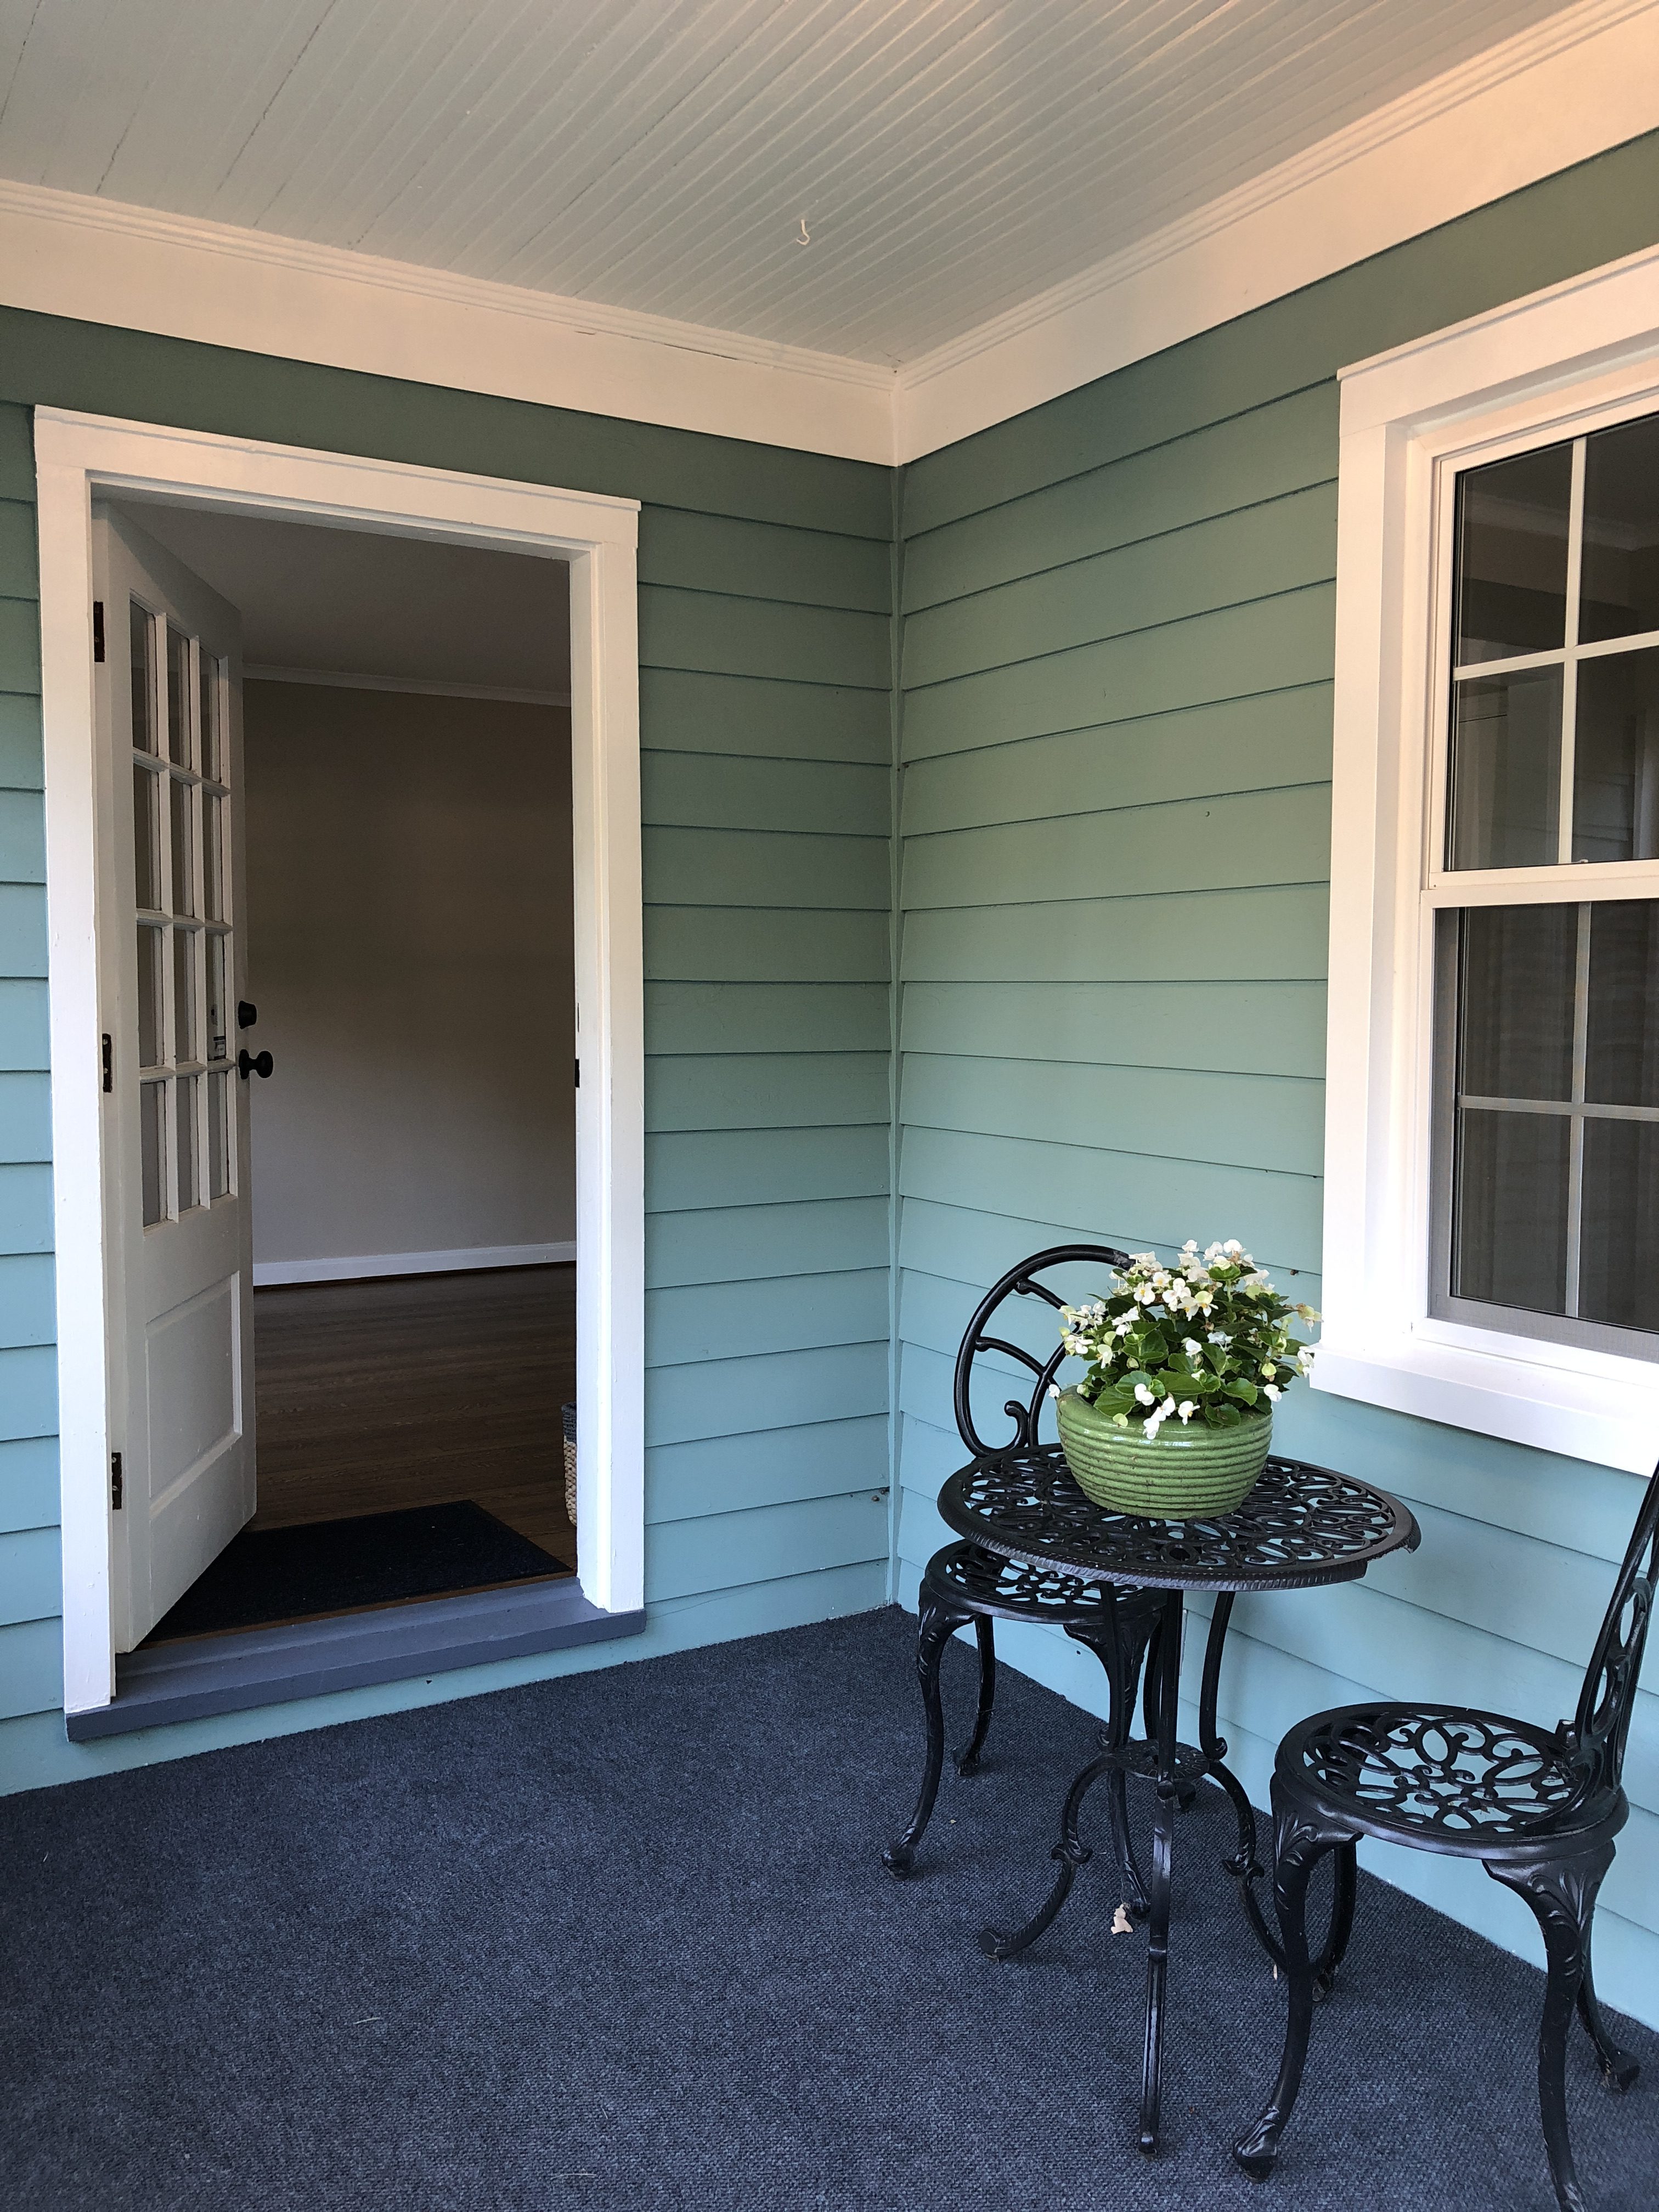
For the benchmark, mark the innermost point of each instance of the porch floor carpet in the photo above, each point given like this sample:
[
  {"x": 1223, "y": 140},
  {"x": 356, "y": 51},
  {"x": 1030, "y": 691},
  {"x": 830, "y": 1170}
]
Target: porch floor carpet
[{"x": 623, "y": 1942}]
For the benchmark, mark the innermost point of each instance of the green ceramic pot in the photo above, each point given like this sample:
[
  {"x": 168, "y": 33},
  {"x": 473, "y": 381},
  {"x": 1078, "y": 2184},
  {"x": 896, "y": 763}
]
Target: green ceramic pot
[{"x": 1184, "y": 1472}]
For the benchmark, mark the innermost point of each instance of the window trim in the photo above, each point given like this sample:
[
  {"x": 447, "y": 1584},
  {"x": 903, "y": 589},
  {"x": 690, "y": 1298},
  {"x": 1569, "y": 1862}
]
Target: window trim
[{"x": 1556, "y": 364}]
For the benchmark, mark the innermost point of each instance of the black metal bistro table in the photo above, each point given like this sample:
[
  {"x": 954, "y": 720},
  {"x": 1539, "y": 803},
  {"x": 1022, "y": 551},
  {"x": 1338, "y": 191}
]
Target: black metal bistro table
[{"x": 1301, "y": 1528}]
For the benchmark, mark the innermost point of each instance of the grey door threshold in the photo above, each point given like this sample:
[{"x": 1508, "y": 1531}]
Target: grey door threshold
[{"x": 205, "y": 1674}]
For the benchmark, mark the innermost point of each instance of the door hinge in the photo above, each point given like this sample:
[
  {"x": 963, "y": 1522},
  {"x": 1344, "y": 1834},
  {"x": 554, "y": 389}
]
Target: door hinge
[
  {"x": 108, "y": 1056},
  {"x": 115, "y": 1481},
  {"x": 97, "y": 629},
  {"x": 578, "y": 1075}
]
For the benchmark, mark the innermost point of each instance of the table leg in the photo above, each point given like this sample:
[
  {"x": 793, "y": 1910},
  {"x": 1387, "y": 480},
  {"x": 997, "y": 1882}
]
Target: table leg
[
  {"x": 1244, "y": 1866},
  {"x": 1164, "y": 1819}
]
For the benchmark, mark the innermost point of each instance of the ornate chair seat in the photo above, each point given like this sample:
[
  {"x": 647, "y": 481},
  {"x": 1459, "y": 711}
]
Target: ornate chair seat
[
  {"x": 982, "y": 1581},
  {"x": 1458, "y": 1779}
]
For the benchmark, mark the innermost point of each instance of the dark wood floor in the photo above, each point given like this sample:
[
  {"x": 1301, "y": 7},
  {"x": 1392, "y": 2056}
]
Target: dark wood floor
[{"x": 414, "y": 1389}]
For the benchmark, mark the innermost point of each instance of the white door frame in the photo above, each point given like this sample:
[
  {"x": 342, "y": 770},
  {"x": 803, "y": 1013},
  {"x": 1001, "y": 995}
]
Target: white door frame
[{"x": 80, "y": 456}]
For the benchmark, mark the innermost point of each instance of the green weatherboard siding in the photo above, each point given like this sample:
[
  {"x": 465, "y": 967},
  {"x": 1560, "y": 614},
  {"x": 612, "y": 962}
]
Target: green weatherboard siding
[
  {"x": 1115, "y": 729},
  {"x": 766, "y": 730},
  {"x": 1113, "y": 742}
]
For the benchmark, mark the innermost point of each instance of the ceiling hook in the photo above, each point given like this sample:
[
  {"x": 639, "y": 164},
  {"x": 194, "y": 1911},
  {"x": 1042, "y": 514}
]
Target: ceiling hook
[{"x": 806, "y": 238}]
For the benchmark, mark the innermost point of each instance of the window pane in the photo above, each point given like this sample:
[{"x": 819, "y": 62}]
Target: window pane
[
  {"x": 152, "y": 1138},
  {"x": 146, "y": 838},
  {"x": 218, "y": 1107},
  {"x": 1622, "y": 1062},
  {"x": 151, "y": 1043},
  {"x": 1516, "y": 995},
  {"x": 1506, "y": 771},
  {"x": 1618, "y": 1281},
  {"x": 1619, "y": 594},
  {"x": 141, "y": 631},
  {"x": 1615, "y": 769},
  {"x": 178, "y": 697},
  {"x": 185, "y": 1093},
  {"x": 208, "y": 717},
  {"x": 217, "y": 1025},
  {"x": 1512, "y": 555},
  {"x": 1510, "y": 1210},
  {"x": 184, "y": 995},
  {"x": 184, "y": 872},
  {"x": 212, "y": 834}
]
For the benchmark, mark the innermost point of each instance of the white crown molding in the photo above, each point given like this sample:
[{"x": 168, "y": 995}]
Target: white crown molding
[
  {"x": 1572, "y": 86},
  {"x": 1583, "y": 79},
  {"x": 102, "y": 261},
  {"x": 335, "y": 679}
]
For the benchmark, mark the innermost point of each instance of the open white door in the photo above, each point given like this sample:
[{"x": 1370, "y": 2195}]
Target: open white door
[{"x": 177, "y": 1210}]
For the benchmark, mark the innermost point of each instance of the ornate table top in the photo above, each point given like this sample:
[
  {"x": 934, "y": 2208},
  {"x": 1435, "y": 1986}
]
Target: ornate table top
[{"x": 1300, "y": 1527}]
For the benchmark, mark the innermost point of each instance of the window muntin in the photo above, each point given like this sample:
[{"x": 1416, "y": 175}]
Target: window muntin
[{"x": 1546, "y": 1187}]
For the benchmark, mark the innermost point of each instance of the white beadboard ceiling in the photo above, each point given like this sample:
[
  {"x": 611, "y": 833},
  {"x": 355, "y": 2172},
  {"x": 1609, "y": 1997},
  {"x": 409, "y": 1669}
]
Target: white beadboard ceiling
[{"x": 950, "y": 159}]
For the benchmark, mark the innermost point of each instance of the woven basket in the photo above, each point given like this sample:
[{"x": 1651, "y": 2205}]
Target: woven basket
[
  {"x": 569, "y": 1415},
  {"x": 1181, "y": 1472}
]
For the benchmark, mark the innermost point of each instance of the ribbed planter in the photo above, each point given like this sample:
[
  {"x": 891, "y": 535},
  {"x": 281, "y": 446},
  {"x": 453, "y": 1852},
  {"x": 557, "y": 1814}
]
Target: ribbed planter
[{"x": 1183, "y": 1472}]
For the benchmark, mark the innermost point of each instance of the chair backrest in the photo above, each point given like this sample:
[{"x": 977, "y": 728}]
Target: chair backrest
[
  {"x": 1602, "y": 1721},
  {"x": 1019, "y": 1283}
]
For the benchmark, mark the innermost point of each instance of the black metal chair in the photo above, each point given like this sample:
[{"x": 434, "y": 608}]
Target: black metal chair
[
  {"x": 1539, "y": 1809},
  {"x": 964, "y": 1582}
]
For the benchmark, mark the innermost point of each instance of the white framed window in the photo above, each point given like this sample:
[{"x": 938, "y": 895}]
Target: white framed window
[{"x": 1492, "y": 1199}]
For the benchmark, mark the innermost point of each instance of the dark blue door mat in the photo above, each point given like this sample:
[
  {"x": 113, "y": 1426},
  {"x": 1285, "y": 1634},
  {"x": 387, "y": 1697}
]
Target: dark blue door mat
[{"x": 269, "y": 1574}]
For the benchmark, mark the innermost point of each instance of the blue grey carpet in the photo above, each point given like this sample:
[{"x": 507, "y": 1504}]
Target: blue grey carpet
[{"x": 620, "y": 1943}]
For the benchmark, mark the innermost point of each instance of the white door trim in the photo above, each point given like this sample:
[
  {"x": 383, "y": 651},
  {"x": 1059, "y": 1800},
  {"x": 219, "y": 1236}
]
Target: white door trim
[{"x": 78, "y": 455}]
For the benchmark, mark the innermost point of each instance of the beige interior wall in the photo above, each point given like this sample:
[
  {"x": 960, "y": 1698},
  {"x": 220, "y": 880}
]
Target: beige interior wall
[{"x": 409, "y": 938}]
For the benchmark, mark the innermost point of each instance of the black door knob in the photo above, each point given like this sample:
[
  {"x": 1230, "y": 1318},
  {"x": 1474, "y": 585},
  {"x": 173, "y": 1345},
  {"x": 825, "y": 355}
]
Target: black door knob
[
  {"x": 248, "y": 1063},
  {"x": 247, "y": 1013}
]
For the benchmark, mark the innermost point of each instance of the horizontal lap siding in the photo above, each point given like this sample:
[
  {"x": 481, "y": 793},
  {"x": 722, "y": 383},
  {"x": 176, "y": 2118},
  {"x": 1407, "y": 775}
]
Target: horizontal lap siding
[
  {"x": 1116, "y": 655},
  {"x": 766, "y": 743}
]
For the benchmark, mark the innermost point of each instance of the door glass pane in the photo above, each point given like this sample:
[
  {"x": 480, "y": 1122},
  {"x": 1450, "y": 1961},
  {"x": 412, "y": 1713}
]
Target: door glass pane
[
  {"x": 152, "y": 1045},
  {"x": 152, "y": 1141},
  {"x": 178, "y": 696},
  {"x": 184, "y": 1091},
  {"x": 1618, "y": 1281},
  {"x": 1622, "y": 1059},
  {"x": 218, "y": 1111},
  {"x": 216, "y": 1024},
  {"x": 146, "y": 838},
  {"x": 207, "y": 723},
  {"x": 185, "y": 1030},
  {"x": 212, "y": 833},
  {"x": 184, "y": 871},
  {"x": 1510, "y": 1209},
  {"x": 1615, "y": 769},
  {"x": 1506, "y": 795},
  {"x": 141, "y": 633},
  {"x": 1619, "y": 595},
  {"x": 1511, "y": 592},
  {"x": 1515, "y": 1002}
]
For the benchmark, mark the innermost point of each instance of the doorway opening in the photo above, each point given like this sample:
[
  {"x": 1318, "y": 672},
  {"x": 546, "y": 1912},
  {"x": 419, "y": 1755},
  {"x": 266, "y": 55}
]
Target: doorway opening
[{"x": 358, "y": 789}]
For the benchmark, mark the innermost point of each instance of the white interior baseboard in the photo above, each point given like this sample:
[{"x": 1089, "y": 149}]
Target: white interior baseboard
[{"x": 358, "y": 1267}]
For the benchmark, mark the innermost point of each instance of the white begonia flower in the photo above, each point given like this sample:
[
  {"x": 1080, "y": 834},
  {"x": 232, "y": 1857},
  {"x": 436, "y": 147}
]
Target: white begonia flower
[
  {"x": 1054, "y": 1389},
  {"x": 1187, "y": 1408},
  {"x": 1143, "y": 1395},
  {"x": 1191, "y": 1344},
  {"x": 1271, "y": 1390},
  {"x": 1268, "y": 1372}
]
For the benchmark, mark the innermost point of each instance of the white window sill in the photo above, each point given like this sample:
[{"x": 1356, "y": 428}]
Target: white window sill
[{"x": 1584, "y": 1405}]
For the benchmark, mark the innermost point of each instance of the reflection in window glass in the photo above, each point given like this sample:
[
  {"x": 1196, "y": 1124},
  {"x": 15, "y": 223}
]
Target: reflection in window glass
[
  {"x": 184, "y": 995},
  {"x": 183, "y": 869},
  {"x": 184, "y": 1093},
  {"x": 212, "y": 832},
  {"x": 146, "y": 837},
  {"x": 1506, "y": 771},
  {"x": 152, "y": 1142},
  {"x": 218, "y": 1096},
  {"x": 1619, "y": 594},
  {"x": 1622, "y": 1055},
  {"x": 1511, "y": 530},
  {"x": 152, "y": 1045},
  {"x": 178, "y": 697},
  {"x": 1618, "y": 1280},
  {"x": 217, "y": 1024},
  {"x": 1516, "y": 1001},
  {"x": 1615, "y": 763},
  {"x": 141, "y": 635},
  {"x": 1510, "y": 1209},
  {"x": 208, "y": 717}
]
